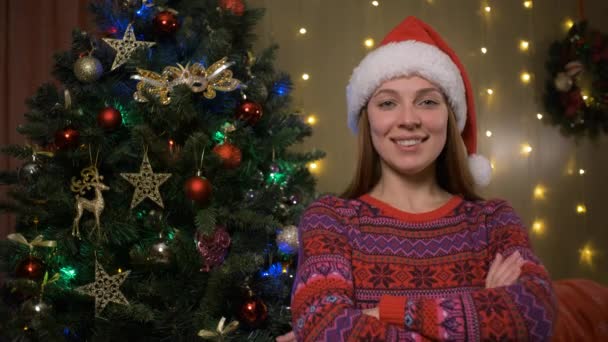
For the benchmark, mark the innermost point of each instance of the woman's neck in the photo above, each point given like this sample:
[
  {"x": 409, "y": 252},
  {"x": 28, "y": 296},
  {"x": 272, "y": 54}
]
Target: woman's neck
[{"x": 414, "y": 194}]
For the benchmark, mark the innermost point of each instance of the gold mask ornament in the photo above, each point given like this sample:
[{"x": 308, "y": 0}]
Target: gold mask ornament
[{"x": 215, "y": 78}]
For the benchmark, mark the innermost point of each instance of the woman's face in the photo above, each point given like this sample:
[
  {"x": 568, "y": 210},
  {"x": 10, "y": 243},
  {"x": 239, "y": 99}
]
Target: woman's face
[{"x": 408, "y": 118}]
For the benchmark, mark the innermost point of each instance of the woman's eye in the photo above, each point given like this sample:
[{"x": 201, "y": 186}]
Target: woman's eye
[
  {"x": 386, "y": 104},
  {"x": 429, "y": 102}
]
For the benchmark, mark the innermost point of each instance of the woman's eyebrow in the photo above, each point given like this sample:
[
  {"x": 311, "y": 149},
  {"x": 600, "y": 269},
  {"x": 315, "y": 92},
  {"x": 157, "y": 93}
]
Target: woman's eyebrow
[{"x": 425, "y": 91}]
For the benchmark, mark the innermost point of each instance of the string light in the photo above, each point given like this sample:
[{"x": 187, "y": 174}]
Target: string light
[
  {"x": 526, "y": 149},
  {"x": 305, "y": 77},
  {"x": 539, "y": 116},
  {"x": 369, "y": 43},
  {"x": 488, "y": 134},
  {"x": 586, "y": 254},
  {"x": 539, "y": 192},
  {"x": 313, "y": 167},
  {"x": 568, "y": 23},
  {"x": 492, "y": 165},
  {"x": 311, "y": 119},
  {"x": 303, "y": 30},
  {"x": 487, "y": 9},
  {"x": 524, "y": 45},
  {"x": 581, "y": 171},
  {"x": 119, "y": 270},
  {"x": 525, "y": 77},
  {"x": 484, "y": 50},
  {"x": 581, "y": 209},
  {"x": 528, "y": 4},
  {"x": 490, "y": 91},
  {"x": 375, "y": 3},
  {"x": 538, "y": 227}
]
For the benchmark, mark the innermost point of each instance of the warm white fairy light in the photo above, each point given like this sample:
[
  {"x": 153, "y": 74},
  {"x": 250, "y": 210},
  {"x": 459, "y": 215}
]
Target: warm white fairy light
[
  {"x": 581, "y": 171},
  {"x": 484, "y": 50},
  {"x": 581, "y": 209},
  {"x": 369, "y": 43},
  {"x": 488, "y": 134},
  {"x": 303, "y": 30},
  {"x": 539, "y": 116},
  {"x": 375, "y": 3},
  {"x": 538, "y": 227},
  {"x": 489, "y": 91},
  {"x": 524, "y": 45},
  {"x": 585, "y": 97},
  {"x": 526, "y": 149},
  {"x": 528, "y": 4},
  {"x": 539, "y": 192},
  {"x": 305, "y": 77},
  {"x": 586, "y": 254},
  {"x": 568, "y": 23},
  {"x": 314, "y": 167},
  {"x": 525, "y": 77},
  {"x": 487, "y": 9},
  {"x": 311, "y": 119}
]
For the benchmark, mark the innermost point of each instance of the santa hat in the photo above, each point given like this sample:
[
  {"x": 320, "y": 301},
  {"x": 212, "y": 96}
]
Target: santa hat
[{"x": 414, "y": 48}]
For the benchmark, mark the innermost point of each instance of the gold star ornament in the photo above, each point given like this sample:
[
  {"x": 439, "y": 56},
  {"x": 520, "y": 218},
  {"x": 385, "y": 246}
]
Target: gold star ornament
[
  {"x": 105, "y": 289},
  {"x": 146, "y": 183},
  {"x": 126, "y": 46}
]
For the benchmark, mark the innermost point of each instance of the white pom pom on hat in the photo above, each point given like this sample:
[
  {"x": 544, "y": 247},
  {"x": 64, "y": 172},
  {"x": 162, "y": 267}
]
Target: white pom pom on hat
[{"x": 414, "y": 48}]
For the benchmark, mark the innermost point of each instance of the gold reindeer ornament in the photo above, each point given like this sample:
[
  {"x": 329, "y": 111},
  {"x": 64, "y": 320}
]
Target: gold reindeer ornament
[{"x": 90, "y": 180}]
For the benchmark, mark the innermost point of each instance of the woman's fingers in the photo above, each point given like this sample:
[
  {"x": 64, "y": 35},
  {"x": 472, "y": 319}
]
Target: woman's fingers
[
  {"x": 289, "y": 337},
  {"x": 504, "y": 272}
]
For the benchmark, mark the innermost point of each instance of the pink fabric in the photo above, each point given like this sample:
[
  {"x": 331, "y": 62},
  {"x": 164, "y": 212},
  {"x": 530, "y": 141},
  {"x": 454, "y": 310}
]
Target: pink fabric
[{"x": 31, "y": 31}]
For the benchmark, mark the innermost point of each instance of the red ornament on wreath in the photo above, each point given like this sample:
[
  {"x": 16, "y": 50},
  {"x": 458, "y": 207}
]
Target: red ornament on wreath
[
  {"x": 165, "y": 23},
  {"x": 67, "y": 138},
  {"x": 213, "y": 248},
  {"x": 229, "y": 154},
  {"x": 253, "y": 312},
  {"x": 249, "y": 111},
  {"x": 109, "y": 118},
  {"x": 237, "y": 7},
  {"x": 198, "y": 188},
  {"x": 31, "y": 268}
]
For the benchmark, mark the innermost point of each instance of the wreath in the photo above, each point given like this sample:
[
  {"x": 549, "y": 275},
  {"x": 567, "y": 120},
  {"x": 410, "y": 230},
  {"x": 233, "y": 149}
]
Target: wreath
[{"x": 576, "y": 97}]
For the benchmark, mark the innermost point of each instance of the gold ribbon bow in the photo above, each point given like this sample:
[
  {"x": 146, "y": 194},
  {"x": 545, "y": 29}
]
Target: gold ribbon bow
[
  {"x": 215, "y": 78},
  {"x": 38, "y": 241},
  {"x": 220, "y": 332}
]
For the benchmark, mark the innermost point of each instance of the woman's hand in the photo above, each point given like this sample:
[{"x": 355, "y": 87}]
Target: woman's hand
[
  {"x": 504, "y": 272},
  {"x": 289, "y": 337},
  {"x": 374, "y": 312}
]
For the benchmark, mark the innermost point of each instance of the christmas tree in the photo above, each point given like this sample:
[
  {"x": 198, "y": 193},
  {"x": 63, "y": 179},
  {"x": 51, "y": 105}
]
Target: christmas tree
[{"x": 158, "y": 194}]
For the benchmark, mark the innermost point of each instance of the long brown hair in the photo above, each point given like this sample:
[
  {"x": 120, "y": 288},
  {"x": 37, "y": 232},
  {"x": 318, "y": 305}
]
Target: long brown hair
[{"x": 452, "y": 169}]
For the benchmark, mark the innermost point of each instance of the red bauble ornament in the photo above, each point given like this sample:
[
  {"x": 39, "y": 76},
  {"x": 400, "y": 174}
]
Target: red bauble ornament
[
  {"x": 253, "y": 312},
  {"x": 166, "y": 23},
  {"x": 198, "y": 188},
  {"x": 67, "y": 137},
  {"x": 249, "y": 111},
  {"x": 31, "y": 268},
  {"x": 109, "y": 118},
  {"x": 213, "y": 249},
  {"x": 230, "y": 155},
  {"x": 237, "y": 7}
]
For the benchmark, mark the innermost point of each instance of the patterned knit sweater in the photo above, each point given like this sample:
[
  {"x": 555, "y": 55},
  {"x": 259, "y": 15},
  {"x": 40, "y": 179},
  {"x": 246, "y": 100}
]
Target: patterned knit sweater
[{"x": 426, "y": 273}]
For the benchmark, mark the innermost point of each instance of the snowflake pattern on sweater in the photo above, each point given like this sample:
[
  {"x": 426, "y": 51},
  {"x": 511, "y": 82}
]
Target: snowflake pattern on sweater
[{"x": 426, "y": 273}]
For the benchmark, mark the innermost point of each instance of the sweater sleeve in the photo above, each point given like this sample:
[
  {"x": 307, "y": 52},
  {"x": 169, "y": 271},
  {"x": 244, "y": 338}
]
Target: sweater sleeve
[
  {"x": 322, "y": 301},
  {"x": 523, "y": 311}
]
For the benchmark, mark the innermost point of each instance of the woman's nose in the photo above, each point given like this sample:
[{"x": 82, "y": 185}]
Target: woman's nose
[{"x": 408, "y": 118}]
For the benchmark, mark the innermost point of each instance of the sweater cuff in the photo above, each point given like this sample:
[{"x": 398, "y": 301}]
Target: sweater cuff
[{"x": 392, "y": 309}]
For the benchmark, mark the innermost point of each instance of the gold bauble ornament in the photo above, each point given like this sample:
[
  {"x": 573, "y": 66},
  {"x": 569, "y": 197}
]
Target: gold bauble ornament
[{"x": 88, "y": 69}]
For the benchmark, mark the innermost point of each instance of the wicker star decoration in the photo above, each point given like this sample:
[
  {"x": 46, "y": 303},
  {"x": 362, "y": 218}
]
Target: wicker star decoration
[
  {"x": 125, "y": 47},
  {"x": 105, "y": 289},
  {"x": 146, "y": 183}
]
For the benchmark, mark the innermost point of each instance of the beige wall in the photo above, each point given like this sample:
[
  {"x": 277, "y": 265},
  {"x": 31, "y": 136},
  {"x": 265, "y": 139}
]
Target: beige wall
[{"x": 333, "y": 46}]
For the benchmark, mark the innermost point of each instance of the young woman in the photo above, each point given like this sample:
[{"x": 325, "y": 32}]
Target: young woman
[{"x": 410, "y": 252}]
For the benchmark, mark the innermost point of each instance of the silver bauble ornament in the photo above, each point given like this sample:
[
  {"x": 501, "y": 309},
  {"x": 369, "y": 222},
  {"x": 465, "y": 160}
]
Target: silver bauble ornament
[
  {"x": 88, "y": 69},
  {"x": 563, "y": 82},
  {"x": 287, "y": 240},
  {"x": 29, "y": 172}
]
